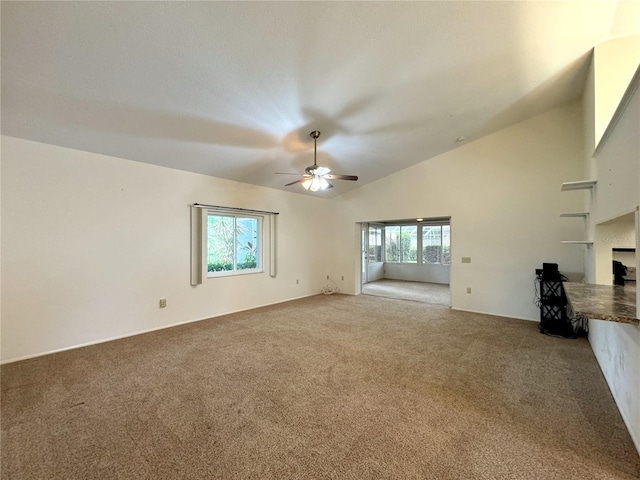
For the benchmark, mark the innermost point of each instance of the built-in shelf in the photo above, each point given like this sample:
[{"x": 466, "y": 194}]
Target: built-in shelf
[
  {"x": 577, "y": 242},
  {"x": 580, "y": 185},
  {"x": 575, "y": 214}
]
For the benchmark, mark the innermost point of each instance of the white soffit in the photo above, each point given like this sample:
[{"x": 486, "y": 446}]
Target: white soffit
[{"x": 232, "y": 89}]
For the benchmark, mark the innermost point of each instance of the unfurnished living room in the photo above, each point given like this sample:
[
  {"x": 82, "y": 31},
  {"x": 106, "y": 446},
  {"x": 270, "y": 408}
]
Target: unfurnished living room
[{"x": 197, "y": 199}]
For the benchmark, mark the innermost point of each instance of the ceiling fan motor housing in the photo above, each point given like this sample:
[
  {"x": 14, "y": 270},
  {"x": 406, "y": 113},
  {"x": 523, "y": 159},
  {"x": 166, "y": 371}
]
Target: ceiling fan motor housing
[{"x": 316, "y": 170}]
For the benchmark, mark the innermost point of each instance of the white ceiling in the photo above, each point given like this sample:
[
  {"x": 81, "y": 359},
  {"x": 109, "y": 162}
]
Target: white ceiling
[{"x": 233, "y": 89}]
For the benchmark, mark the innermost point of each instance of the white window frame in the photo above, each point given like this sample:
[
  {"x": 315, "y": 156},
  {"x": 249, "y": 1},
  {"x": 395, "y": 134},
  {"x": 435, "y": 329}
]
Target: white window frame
[
  {"x": 375, "y": 227},
  {"x": 259, "y": 250},
  {"x": 418, "y": 242},
  {"x": 420, "y": 225},
  {"x": 441, "y": 225}
]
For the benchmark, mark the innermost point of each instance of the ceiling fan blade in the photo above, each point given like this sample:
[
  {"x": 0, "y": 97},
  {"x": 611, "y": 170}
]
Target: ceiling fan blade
[
  {"x": 297, "y": 181},
  {"x": 335, "y": 176},
  {"x": 285, "y": 173}
]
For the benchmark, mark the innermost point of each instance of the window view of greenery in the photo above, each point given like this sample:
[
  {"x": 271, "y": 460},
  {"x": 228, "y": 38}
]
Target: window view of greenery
[
  {"x": 232, "y": 243},
  {"x": 436, "y": 244},
  {"x": 375, "y": 244},
  {"x": 401, "y": 243},
  {"x": 446, "y": 244}
]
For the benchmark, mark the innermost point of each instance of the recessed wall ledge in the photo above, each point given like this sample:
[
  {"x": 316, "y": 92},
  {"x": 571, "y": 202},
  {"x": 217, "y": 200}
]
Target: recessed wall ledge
[{"x": 612, "y": 303}]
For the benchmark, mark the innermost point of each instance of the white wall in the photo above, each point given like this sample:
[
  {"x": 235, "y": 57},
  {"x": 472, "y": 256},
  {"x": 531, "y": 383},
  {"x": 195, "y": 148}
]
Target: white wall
[
  {"x": 375, "y": 271},
  {"x": 617, "y": 169},
  {"x": 0, "y": 248},
  {"x": 417, "y": 273},
  {"x": 503, "y": 195},
  {"x": 615, "y": 63},
  {"x": 617, "y": 349},
  {"x": 590, "y": 169},
  {"x": 90, "y": 244}
]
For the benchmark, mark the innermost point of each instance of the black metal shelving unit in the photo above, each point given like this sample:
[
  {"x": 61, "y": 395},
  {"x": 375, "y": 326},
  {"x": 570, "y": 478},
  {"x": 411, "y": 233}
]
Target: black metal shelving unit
[{"x": 554, "y": 318}]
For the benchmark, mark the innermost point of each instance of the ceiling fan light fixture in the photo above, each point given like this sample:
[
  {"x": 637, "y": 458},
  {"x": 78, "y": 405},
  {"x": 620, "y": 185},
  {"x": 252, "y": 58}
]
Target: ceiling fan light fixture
[
  {"x": 306, "y": 183},
  {"x": 322, "y": 183},
  {"x": 315, "y": 183},
  {"x": 315, "y": 177}
]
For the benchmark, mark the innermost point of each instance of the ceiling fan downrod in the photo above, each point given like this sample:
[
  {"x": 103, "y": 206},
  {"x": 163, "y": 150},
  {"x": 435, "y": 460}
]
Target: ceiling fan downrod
[{"x": 315, "y": 134}]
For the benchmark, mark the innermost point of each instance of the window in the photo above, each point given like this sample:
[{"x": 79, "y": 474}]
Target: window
[
  {"x": 436, "y": 244},
  {"x": 391, "y": 244},
  {"x": 446, "y": 244},
  {"x": 375, "y": 244},
  {"x": 401, "y": 243},
  {"x": 419, "y": 244},
  {"x": 233, "y": 244},
  {"x": 432, "y": 244}
]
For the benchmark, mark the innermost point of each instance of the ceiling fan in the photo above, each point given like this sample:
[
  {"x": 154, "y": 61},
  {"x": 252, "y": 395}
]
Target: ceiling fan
[{"x": 316, "y": 177}]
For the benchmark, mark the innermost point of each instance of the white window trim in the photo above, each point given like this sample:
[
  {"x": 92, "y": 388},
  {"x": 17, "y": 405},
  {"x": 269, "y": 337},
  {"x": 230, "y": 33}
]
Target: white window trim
[
  {"x": 375, "y": 226},
  {"x": 437, "y": 224},
  {"x": 418, "y": 243},
  {"x": 259, "y": 256},
  {"x": 199, "y": 254},
  {"x": 419, "y": 257}
]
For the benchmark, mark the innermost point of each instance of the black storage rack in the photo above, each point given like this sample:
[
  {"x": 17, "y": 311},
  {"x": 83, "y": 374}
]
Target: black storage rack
[{"x": 554, "y": 318}]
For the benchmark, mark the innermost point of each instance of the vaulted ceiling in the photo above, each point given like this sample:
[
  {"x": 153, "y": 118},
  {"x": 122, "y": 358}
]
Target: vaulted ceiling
[{"x": 233, "y": 89}]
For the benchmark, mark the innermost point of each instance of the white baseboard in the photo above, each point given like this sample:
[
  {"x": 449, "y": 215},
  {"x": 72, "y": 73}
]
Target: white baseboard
[
  {"x": 142, "y": 332},
  {"x": 495, "y": 314}
]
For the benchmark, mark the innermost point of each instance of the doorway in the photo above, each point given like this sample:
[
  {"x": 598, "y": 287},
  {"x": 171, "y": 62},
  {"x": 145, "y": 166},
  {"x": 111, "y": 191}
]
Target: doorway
[
  {"x": 407, "y": 259},
  {"x": 616, "y": 261}
]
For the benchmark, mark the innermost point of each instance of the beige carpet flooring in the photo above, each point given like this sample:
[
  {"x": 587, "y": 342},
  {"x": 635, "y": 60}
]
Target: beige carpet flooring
[
  {"x": 414, "y": 291},
  {"x": 328, "y": 387}
]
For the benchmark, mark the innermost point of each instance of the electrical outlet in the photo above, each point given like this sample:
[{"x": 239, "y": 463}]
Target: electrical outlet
[
  {"x": 466, "y": 259},
  {"x": 163, "y": 302},
  {"x": 468, "y": 289}
]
